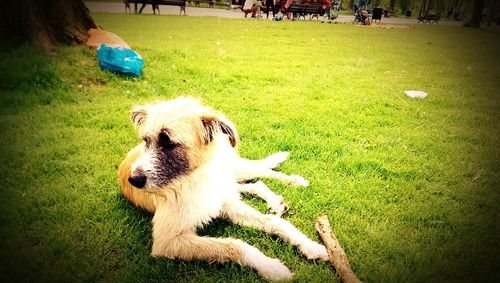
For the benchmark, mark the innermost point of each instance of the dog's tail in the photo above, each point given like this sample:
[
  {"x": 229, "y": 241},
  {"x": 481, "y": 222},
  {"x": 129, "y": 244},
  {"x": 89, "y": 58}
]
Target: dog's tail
[
  {"x": 270, "y": 162},
  {"x": 247, "y": 170},
  {"x": 273, "y": 160}
]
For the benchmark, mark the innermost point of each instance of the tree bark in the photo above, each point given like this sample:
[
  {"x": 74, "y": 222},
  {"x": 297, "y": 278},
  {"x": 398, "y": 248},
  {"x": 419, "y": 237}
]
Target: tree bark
[
  {"x": 492, "y": 11},
  {"x": 46, "y": 24},
  {"x": 392, "y": 3},
  {"x": 337, "y": 255},
  {"x": 477, "y": 14}
]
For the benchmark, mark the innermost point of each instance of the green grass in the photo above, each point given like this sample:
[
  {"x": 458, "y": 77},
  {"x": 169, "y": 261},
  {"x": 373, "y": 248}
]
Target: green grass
[{"x": 410, "y": 186}]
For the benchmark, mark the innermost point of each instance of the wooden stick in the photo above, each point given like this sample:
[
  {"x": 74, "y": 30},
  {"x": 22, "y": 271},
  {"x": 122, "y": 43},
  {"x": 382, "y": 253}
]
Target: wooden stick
[{"x": 337, "y": 255}]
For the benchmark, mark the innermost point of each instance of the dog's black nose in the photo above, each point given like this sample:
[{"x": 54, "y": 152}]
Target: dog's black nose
[{"x": 138, "y": 181}]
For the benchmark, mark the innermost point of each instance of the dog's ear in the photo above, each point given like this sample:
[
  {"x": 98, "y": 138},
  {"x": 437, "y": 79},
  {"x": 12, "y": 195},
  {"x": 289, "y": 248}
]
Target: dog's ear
[
  {"x": 138, "y": 115},
  {"x": 214, "y": 124}
]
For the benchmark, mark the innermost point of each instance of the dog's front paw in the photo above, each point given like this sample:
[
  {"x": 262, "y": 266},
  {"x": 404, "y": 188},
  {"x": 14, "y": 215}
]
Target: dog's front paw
[
  {"x": 313, "y": 250},
  {"x": 278, "y": 205},
  {"x": 298, "y": 181},
  {"x": 274, "y": 270},
  {"x": 269, "y": 268}
]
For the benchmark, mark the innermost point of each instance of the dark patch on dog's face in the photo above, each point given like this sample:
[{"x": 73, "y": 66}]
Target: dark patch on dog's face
[{"x": 169, "y": 157}]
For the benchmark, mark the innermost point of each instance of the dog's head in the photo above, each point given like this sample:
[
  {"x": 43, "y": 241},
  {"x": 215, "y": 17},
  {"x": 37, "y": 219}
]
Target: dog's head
[{"x": 177, "y": 137}]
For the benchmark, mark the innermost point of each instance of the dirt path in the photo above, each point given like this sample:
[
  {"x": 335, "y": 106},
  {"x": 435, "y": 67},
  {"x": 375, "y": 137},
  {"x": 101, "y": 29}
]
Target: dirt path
[{"x": 118, "y": 7}]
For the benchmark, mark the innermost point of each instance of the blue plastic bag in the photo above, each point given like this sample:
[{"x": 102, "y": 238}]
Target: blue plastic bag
[{"x": 124, "y": 60}]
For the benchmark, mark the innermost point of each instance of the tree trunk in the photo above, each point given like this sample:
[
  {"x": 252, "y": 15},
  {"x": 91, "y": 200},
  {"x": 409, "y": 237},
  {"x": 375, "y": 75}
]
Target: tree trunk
[
  {"x": 424, "y": 8},
  {"x": 492, "y": 11},
  {"x": 404, "y": 5},
  {"x": 477, "y": 14},
  {"x": 47, "y": 23},
  {"x": 392, "y": 3}
]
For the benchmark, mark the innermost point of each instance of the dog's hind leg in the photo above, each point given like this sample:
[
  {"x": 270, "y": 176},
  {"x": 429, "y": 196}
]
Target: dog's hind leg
[
  {"x": 241, "y": 213},
  {"x": 275, "y": 203}
]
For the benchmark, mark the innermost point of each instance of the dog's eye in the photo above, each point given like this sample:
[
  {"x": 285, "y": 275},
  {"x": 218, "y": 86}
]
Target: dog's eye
[{"x": 165, "y": 142}]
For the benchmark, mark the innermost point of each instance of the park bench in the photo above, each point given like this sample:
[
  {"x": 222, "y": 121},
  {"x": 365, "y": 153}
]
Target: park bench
[
  {"x": 313, "y": 9},
  {"x": 263, "y": 9},
  {"x": 156, "y": 3},
  {"x": 210, "y": 3},
  {"x": 305, "y": 9},
  {"x": 429, "y": 18}
]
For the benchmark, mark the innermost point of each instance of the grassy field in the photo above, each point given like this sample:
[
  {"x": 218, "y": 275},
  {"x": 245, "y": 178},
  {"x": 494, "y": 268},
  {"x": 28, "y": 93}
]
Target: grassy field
[{"x": 411, "y": 186}]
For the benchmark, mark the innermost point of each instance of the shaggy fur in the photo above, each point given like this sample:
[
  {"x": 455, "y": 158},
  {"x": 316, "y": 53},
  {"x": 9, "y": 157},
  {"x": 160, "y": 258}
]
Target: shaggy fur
[{"x": 188, "y": 172}]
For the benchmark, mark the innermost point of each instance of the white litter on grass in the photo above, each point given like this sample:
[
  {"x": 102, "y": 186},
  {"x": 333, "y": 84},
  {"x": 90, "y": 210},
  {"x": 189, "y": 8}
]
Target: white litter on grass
[{"x": 416, "y": 93}]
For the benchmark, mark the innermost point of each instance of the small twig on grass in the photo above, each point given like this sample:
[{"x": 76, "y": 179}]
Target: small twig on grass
[{"x": 337, "y": 255}]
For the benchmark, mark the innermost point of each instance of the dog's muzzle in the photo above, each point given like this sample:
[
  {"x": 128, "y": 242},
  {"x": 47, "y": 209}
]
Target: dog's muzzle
[{"x": 137, "y": 180}]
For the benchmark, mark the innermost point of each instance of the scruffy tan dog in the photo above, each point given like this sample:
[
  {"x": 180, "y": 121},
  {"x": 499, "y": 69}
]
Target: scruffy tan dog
[{"x": 188, "y": 172}]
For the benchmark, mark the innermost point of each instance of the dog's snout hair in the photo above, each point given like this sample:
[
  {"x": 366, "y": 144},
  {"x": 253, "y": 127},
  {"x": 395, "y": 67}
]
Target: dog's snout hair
[{"x": 190, "y": 173}]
